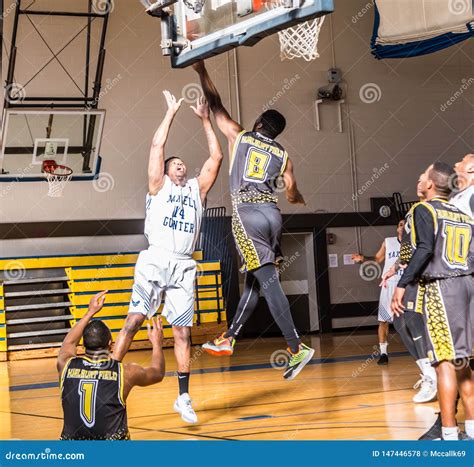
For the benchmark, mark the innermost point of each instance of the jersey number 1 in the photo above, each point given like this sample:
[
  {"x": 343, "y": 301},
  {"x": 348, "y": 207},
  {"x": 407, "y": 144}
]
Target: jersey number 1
[
  {"x": 456, "y": 244},
  {"x": 88, "y": 395}
]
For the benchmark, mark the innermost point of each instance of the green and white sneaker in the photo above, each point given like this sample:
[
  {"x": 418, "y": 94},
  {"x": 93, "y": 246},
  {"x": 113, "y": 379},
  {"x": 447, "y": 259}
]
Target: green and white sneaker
[{"x": 298, "y": 361}]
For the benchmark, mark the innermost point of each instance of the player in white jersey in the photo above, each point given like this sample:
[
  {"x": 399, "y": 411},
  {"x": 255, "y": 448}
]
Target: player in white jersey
[
  {"x": 174, "y": 208},
  {"x": 387, "y": 254},
  {"x": 463, "y": 197}
]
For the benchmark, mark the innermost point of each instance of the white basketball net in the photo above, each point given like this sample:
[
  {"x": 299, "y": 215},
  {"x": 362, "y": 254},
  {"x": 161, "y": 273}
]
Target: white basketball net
[
  {"x": 57, "y": 181},
  {"x": 300, "y": 41}
]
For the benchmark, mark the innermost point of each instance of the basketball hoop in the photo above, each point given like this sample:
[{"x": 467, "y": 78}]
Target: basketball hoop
[
  {"x": 300, "y": 41},
  {"x": 57, "y": 176}
]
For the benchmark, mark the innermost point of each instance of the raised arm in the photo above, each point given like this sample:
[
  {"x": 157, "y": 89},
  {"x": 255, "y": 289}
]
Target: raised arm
[
  {"x": 71, "y": 341},
  {"x": 229, "y": 127},
  {"x": 136, "y": 375},
  {"x": 156, "y": 165},
  {"x": 292, "y": 193},
  {"x": 210, "y": 169}
]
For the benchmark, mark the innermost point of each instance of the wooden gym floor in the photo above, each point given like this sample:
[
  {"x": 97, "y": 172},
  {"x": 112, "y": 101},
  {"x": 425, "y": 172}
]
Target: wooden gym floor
[{"x": 343, "y": 394}]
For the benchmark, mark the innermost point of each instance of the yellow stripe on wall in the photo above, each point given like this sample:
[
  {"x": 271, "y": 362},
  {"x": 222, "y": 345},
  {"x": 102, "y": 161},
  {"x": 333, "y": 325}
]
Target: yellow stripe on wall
[{"x": 122, "y": 284}]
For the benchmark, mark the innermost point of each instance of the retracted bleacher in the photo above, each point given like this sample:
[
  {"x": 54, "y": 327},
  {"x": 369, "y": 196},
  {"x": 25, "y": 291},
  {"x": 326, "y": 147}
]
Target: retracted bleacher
[{"x": 41, "y": 298}]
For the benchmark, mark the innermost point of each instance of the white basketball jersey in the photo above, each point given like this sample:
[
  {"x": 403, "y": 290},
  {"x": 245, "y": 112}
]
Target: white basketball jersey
[
  {"x": 392, "y": 252},
  {"x": 464, "y": 200},
  {"x": 173, "y": 217}
]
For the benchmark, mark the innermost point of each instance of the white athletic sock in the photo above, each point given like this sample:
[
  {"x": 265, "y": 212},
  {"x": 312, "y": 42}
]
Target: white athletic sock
[
  {"x": 469, "y": 427},
  {"x": 383, "y": 347},
  {"x": 426, "y": 368},
  {"x": 450, "y": 433}
]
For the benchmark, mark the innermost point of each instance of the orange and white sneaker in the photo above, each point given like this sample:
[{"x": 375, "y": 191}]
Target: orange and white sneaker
[{"x": 220, "y": 346}]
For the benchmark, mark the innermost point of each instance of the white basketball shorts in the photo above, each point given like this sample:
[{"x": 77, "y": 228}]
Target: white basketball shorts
[
  {"x": 159, "y": 275},
  {"x": 386, "y": 294}
]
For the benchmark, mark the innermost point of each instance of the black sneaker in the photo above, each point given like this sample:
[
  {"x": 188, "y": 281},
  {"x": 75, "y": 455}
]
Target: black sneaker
[
  {"x": 434, "y": 432},
  {"x": 383, "y": 360}
]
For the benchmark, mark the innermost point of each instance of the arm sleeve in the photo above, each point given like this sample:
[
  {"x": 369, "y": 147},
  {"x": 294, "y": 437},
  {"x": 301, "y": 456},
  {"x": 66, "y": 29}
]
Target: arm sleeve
[{"x": 425, "y": 241}]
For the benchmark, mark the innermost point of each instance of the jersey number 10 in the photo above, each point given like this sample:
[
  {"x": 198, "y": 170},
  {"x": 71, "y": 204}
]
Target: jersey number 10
[{"x": 457, "y": 238}]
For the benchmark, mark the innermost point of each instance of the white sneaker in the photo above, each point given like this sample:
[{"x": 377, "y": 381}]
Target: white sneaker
[
  {"x": 427, "y": 392},
  {"x": 183, "y": 405}
]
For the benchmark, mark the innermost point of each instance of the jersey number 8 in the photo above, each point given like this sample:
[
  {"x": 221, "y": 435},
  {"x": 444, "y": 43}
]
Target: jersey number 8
[{"x": 256, "y": 166}]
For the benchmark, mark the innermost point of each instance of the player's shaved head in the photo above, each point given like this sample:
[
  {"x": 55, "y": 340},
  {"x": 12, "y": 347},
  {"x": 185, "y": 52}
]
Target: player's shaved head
[
  {"x": 271, "y": 123},
  {"x": 441, "y": 175},
  {"x": 97, "y": 336}
]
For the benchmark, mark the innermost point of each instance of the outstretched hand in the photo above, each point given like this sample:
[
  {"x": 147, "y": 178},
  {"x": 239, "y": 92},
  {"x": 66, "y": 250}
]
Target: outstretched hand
[
  {"x": 173, "y": 104},
  {"x": 155, "y": 332},
  {"x": 202, "y": 108},
  {"x": 357, "y": 258},
  {"x": 97, "y": 302}
]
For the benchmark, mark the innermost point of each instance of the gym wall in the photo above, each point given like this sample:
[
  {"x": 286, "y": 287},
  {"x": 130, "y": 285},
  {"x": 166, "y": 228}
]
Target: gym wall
[{"x": 396, "y": 121}]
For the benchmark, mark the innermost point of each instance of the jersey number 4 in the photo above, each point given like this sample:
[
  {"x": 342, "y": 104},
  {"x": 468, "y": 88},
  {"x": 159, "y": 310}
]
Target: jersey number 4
[
  {"x": 88, "y": 395},
  {"x": 457, "y": 238},
  {"x": 256, "y": 166}
]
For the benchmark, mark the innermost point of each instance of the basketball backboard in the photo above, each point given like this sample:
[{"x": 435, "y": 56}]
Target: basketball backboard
[
  {"x": 68, "y": 137},
  {"x": 198, "y": 29}
]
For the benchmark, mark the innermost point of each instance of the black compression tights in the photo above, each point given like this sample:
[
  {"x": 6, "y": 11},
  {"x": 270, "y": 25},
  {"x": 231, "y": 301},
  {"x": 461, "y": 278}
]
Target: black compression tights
[{"x": 266, "y": 280}]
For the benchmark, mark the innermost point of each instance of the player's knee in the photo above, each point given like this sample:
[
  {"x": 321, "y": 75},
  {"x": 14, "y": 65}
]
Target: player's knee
[{"x": 182, "y": 335}]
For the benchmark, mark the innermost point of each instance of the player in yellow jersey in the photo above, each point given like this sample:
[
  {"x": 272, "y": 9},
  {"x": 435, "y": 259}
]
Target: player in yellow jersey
[
  {"x": 94, "y": 388},
  {"x": 443, "y": 261}
]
